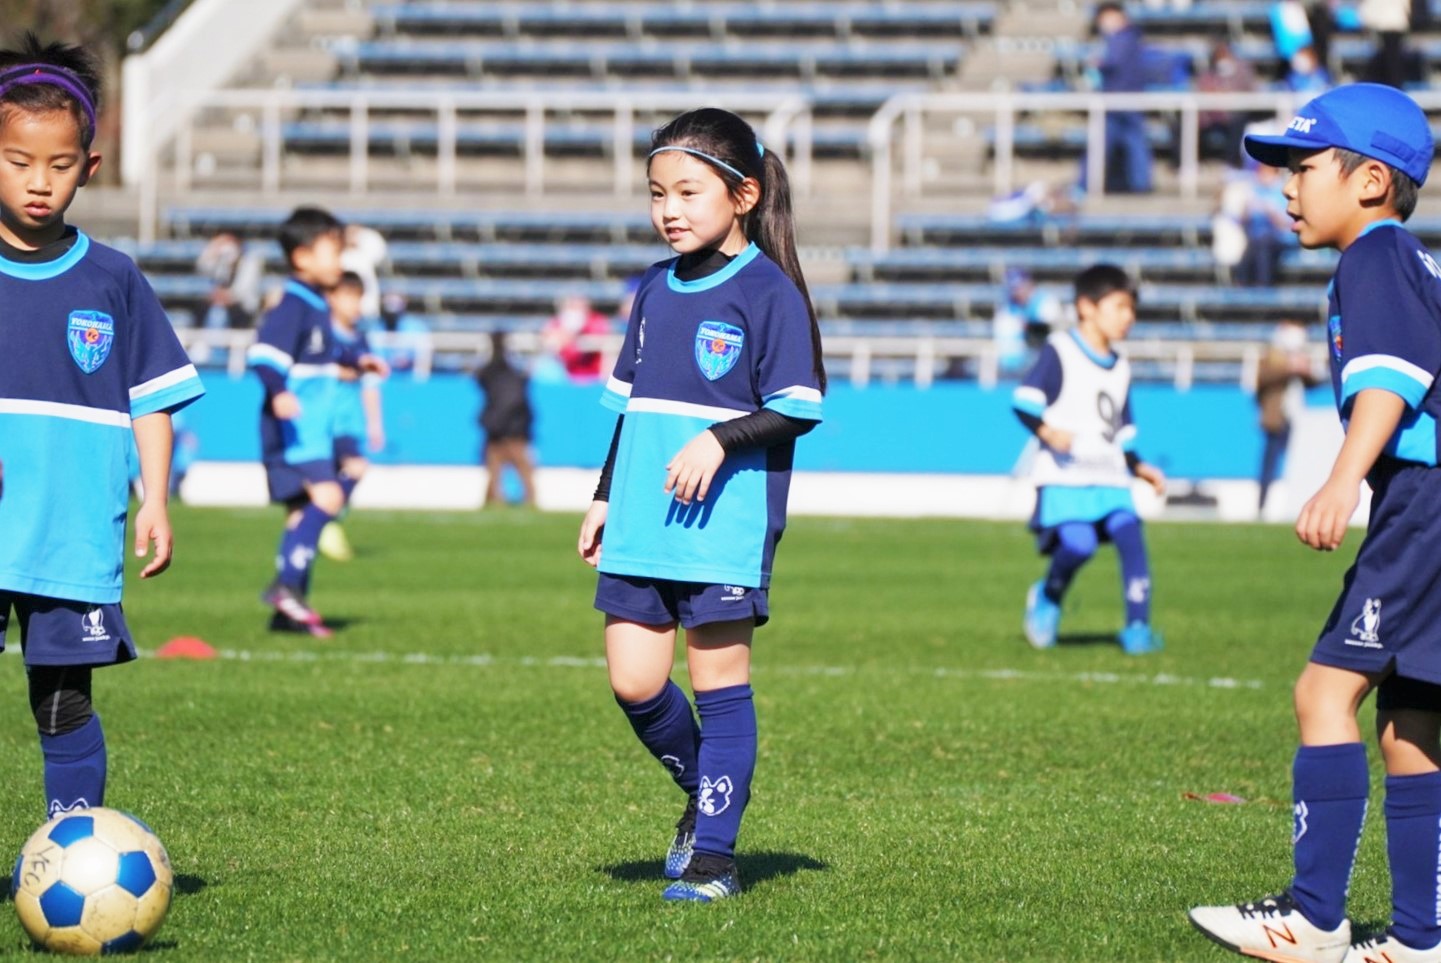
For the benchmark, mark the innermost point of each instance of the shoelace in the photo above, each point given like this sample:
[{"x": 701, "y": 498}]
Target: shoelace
[{"x": 1270, "y": 906}]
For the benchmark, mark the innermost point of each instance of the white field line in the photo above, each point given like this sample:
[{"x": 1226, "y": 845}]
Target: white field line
[{"x": 482, "y": 660}]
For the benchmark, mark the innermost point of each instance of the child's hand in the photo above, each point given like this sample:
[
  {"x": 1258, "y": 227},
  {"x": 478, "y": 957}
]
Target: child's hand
[
  {"x": 1152, "y": 476},
  {"x": 1056, "y": 439},
  {"x": 691, "y": 471},
  {"x": 285, "y": 406},
  {"x": 1324, "y": 518},
  {"x": 377, "y": 439},
  {"x": 375, "y": 365},
  {"x": 592, "y": 527},
  {"x": 152, "y": 526}
]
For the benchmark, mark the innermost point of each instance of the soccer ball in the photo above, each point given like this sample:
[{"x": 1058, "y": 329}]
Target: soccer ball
[{"x": 92, "y": 881}]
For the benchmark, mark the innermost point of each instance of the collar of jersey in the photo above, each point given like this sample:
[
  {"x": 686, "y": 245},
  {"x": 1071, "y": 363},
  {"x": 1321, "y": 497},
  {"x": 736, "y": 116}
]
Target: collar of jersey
[
  {"x": 47, "y": 269},
  {"x": 712, "y": 280},
  {"x": 1388, "y": 222},
  {"x": 1105, "y": 361},
  {"x": 307, "y": 294}
]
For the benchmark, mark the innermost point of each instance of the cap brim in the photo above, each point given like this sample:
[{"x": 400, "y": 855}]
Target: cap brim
[{"x": 1276, "y": 151}]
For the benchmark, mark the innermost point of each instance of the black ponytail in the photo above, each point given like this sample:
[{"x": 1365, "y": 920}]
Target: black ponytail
[{"x": 719, "y": 135}]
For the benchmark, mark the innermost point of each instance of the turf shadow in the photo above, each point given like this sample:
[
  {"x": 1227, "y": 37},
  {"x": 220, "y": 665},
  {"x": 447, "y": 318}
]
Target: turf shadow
[
  {"x": 188, "y": 885},
  {"x": 1087, "y": 638},
  {"x": 755, "y": 867}
]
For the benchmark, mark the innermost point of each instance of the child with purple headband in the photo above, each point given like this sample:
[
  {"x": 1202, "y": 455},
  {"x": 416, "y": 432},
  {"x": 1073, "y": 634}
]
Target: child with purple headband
[{"x": 88, "y": 361}]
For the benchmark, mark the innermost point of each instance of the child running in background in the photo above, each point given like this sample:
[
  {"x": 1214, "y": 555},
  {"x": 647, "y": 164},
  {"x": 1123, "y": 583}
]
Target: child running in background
[
  {"x": 720, "y": 371},
  {"x": 298, "y": 361},
  {"x": 1358, "y": 155},
  {"x": 1077, "y": 402},
  {"x": 358, "y": 422},
  {"x": 88, "y": 361}
]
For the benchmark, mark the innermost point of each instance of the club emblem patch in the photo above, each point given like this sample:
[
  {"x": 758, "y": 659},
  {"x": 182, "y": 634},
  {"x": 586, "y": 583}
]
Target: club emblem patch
[
  {"x": 1333, "y": 329},
  {"x": 90, "y": 336},
  {"x": 717, "y": 348}
]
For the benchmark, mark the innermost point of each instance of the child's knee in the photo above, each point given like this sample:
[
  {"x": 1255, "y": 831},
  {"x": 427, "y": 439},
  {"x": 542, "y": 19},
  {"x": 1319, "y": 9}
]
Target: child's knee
[
  {"x": 1078, "y": 541},
  {"x": 354, "y": 468},
  {"x": 329, "y": 497}
]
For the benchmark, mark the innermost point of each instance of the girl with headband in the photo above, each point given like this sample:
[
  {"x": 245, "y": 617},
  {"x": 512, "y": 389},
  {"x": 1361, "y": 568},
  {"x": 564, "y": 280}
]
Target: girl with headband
[
  {"x": 719, "y": 373},
  {"x": 88, "y": 362}
]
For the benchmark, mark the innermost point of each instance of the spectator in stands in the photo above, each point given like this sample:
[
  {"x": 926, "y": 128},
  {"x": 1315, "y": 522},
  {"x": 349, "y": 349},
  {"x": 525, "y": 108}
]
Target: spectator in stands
[
  {"x": 1221, "y": 130},
  {"x": 399, "y": 337},
  {"x": 235, "y": 275},
  {"x": 565, "y": 336},
  {"x": 1022, "y": 322},
  {"x": 1392, "y": 63},
  {"x": 1285, "y": 368},
  {"x": 365, "y": 252},
  {"x": 1290, "y": 31},
  {"x": 1122, "y": 69},
  {"x": 1307, "y": 74},
  {"x": 1267, "y": 227},
  {"x": 507, "y": 419}
]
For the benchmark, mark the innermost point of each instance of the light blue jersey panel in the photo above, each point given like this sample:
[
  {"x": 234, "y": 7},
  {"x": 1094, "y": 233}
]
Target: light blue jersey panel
[
  {"x": 309, "y": 437},
  {"x": 63, "y": 504},
  {"x": 720, "y": 541},
  {"x": 1090, "y": 503}
]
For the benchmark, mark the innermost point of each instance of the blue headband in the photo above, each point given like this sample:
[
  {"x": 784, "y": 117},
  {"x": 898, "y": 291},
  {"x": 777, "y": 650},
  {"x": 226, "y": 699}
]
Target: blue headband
[
  {"x": 760, "y": 148},
  {"x": 54, "y": 76}
]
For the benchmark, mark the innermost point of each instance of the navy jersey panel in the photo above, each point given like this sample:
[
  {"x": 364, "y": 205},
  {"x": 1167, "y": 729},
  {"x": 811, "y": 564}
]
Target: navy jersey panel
[
  {"x": 1389, "y": 613},
  {"x": 1385, "y": 332},
  {"x": 295, "y": 340},
  {"x": 696, "y": 353},
  {"x": 1041, "y": 386},
  {"x": 87, "y": 348}
]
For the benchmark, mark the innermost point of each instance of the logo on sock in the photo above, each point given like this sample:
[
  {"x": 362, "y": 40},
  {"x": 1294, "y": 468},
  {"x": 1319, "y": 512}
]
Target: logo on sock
[
  {"x": 1367, "y": 626},
  {"x": 57, "y": 807},
  {"x": 92, "y": 623},
  {"x": 715, "y": 797},
  {"x": 673, "y": 765},
  {"x": 300, "y": 557},
  {"x": 1137, "y": 589},
  {"x": 1300, "y": 829}
]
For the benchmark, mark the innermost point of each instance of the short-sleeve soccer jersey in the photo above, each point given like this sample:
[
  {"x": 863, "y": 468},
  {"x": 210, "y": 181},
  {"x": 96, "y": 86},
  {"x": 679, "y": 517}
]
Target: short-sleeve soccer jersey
[
  {"x": 87, "y": 349},
  {"x": 1384, "y": 330},
  {"x": 695, "y": 353},
  {"x": 295, "y": 340},
  {"x": 349, "y": 419}
]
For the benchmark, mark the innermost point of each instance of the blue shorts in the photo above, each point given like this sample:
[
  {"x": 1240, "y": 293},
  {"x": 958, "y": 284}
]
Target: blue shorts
[
  {"x": 1049, "y": 539},
  {"x": 287, "y": 482},
  {"x": 1388, "y": 618},
  {"x": 348, "y": 446},
  {"x": 62, "y": 632},
  {"x": 659, "y": 601}
]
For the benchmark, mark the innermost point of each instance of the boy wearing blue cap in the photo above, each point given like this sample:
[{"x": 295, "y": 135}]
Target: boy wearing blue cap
[{"x": 1357, "y": 156}]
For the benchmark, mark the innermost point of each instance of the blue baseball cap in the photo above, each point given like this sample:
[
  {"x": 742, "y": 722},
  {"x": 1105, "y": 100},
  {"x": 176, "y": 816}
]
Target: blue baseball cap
[{"x": 1374, "y": 120}]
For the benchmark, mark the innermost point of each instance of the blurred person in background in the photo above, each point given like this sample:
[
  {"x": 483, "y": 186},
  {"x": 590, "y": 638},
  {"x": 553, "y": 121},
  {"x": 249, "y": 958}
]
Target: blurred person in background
[
  {"x": 1122, "y": 68},
  {"x": 1222, "y": 130},
  {"x": 508, "y": 421},
  {"x": 398, "y": 336},
  {"x": 1284, "y": 373},
  {"x": 235, "y": 274},
  {"x": 574, "y": 321},
  {"x": 1022, "y": 322},
  {"x": 365, "y": 251}
]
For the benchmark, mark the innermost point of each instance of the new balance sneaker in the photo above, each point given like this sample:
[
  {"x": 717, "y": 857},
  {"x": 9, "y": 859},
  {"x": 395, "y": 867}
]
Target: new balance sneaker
[
  {"x": 1387, "y": 949},
  {"x": 1273, "y": 929},
  {"x": 1043, "y": 617},
  {"x": 681, "y": 847},
  {"x": 291, "y": 608},
  {"x": 334, "y": 544},
  {"x": 1138, "y": 639},
  {"x": 706, "y": 879}
]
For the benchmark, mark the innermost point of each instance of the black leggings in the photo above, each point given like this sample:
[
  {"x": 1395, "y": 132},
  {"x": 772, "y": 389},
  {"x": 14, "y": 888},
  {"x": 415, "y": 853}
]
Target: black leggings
[{"x": 60, "y": 697}]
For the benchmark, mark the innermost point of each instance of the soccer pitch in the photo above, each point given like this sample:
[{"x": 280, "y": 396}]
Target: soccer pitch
[{"x": 449, "y": 777}]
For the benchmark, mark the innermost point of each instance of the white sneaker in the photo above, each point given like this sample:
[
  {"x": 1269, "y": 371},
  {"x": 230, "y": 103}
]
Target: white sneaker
[
  {"x": 1387, "y": 949},
  {"x": 1274, "y": 929}
]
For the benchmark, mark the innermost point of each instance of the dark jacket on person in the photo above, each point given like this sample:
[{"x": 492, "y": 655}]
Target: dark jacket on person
[{"x": 506, "y": 413}]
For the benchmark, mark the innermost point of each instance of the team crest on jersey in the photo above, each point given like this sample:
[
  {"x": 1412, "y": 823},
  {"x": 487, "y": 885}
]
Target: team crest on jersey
[
  {"x": 90, "y": 336},
  {"x": 717, "y": 348},
  {"x": 1333, "y": 330}
]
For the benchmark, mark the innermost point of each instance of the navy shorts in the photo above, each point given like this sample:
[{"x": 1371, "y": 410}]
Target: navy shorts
[
  {"x": 62, "y": 632},
  {"x": 287, "y": 482},
  {"x": 348, "y": 446},
  {"x": 1388, "y": 618},
  {"x": 659, "y": 601}
]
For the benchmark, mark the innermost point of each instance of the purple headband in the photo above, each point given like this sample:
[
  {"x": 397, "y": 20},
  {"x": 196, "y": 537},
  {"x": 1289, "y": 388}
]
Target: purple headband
[{"x": 54, "y": 76}]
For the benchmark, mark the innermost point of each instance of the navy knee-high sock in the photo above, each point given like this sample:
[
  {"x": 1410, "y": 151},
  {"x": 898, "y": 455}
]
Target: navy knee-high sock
[
  {"x": 1413, "y": 841},
  {"x": 347, "y": 485},
  {"x": 297, "y": 548},
  {"x": 75, "y": 764},
  {"x": 1329, "y": 786},
  {"x": 727, "y": 763},
  {"x": 1125, "y": 531},
  {"x": 665, "y": 725},
  {"x": 1075, "y": 544}
]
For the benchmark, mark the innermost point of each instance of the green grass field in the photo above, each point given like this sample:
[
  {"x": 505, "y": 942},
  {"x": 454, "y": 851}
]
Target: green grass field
[{"x": 449, "y": 777}]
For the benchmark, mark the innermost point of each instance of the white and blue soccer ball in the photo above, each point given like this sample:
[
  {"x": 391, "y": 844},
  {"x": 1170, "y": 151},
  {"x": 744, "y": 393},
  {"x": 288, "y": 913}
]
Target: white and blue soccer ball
[{"x": 92, "y": 881}]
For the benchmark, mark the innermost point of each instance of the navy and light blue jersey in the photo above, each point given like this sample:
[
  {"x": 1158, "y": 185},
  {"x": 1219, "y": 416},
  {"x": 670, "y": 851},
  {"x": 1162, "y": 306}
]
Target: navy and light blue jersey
[
  {"x": 349, "y": 419},
  {"x": 695, "y": 353},
  {"x": 86, "y": 350},
  {"x": 296, "y": 351},
  {"x": 1385, "y": 332}
]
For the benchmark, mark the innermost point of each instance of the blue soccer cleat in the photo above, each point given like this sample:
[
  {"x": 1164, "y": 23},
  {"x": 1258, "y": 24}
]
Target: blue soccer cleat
[
  {"x": 677, "y": 858},
  {"x": 1138, "y": 639},
  {"x": 1043, "y": 618},
  {"x": 706, "y": 879}
]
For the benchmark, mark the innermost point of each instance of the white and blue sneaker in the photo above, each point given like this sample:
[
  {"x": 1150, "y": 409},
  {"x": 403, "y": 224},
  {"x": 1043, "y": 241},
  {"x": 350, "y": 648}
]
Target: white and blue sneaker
[
  {"x": 1273, "y": 929},
  {"x": 681, "y": 847},
  {"x": 1138, "y": 639},
  {"x": 707, "y": 878},
  {"x": 1043, "y": 617},
  {"x": 1387, "y": 949}
]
